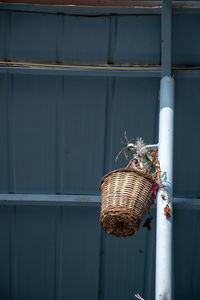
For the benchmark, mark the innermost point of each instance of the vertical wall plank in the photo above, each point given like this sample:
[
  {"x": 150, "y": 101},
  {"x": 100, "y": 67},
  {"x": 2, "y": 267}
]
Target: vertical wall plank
[
  {"x": 35, "y": 252},
  {"x": 80, "y": 248},
  {"x": 113, "y": 26},
  {"x": 6, "y": 215},
  {"x": 133, "y": 110},
  {"x": 86, "y": 38},
  {"x": 124, "y": 265},
  {"x": 186, "y": 45},
  {"x": 186, "y": 254},
  {"x": 138, "y": 40},
  {"x": 34, "y": 110},
  {"x": 4, "y": 157},
  {"x": 11, "y": 135},
  {"x": 59, "y": 253},
  {"x": 59, "y": 133},
  {"x": 59, "y": 38},
  {"x": 149, "y": 274},
  {"x": 186, "y": 131},
  {"x": 4, "y": 32},
  {"x": 84, "y": 127},
  {"x": 32, "y": 36}
]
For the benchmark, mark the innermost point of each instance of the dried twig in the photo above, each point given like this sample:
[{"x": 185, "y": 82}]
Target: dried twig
[
  {"x": 139, "y": 297},
  {"x": 125, "y": 148},
  {"x": 120, "y": 152},
  {"x": 126, "y": 137}
]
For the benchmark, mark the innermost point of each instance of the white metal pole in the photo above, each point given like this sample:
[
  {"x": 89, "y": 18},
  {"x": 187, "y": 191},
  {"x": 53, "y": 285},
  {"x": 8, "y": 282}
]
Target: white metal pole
[{"x": 164, "y": 224}]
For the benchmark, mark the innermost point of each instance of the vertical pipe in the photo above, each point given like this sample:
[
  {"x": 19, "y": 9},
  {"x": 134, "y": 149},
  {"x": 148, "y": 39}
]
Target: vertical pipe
[{"x": 164, "y": 224}]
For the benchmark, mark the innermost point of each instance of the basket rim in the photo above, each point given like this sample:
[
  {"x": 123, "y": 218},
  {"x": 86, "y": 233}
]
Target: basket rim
[{"x": 148, "y": 177}]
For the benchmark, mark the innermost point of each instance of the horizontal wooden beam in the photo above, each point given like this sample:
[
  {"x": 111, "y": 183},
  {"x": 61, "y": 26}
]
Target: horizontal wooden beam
[
  {"x": 98, "y": 3},
  {"x": 95, "y": 70},
  {"x": 81, "y": 70},
  {"x": 78, "y": 200},
  {"x": 99, "y": 7},
  {"x": 43, "y": 199}
]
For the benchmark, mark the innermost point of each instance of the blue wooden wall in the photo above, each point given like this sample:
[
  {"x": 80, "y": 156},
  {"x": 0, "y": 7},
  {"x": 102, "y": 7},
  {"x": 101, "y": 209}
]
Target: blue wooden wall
[
  {"x": 59, "y": 252},
  {"x": 61, "y": 134}
]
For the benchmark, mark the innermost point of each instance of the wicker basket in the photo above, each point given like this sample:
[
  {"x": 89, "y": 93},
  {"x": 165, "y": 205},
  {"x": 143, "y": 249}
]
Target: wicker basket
[{"x": 126, "y": 197}]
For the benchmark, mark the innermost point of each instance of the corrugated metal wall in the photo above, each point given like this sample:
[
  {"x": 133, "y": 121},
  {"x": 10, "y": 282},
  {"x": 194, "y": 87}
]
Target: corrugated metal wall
[
  {"x": 60, "y": 134},
  {"x": 56, "y": 129},
  {"x": 53, "y": 252},
  {"x": 74, "y": 117}
]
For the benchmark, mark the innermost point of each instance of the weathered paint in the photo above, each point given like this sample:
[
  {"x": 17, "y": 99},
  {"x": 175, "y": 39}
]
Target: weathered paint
[
  {"x": 59, "y": 134},
  {"x": 119, "y": 3},
  {"x": 59, "y": 249}
]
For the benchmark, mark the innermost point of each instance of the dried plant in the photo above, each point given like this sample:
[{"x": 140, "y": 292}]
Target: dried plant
[
  {"x": 140, "y": 147},
  {"x": 144, "y": 160},
  {"x": 139, "y": 156},
  {"x": 139, "y": 297}
]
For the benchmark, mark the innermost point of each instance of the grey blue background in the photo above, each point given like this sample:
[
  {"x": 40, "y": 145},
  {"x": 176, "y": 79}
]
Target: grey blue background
[{"x": 60, "y": 134}]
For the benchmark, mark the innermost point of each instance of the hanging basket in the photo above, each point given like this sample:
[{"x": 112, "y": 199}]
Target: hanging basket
[{"x": 127, "y": 195}]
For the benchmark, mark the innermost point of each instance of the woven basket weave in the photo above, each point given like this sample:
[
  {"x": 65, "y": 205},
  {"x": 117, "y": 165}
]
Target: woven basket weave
[{"x": 126, "y": 198}]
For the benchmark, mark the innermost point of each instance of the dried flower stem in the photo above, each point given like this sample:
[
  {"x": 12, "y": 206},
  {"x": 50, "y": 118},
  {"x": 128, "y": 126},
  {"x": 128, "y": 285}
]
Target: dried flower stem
[
  {"x": 139, "y": 297},
  {"x": 120, "y": 152}
]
